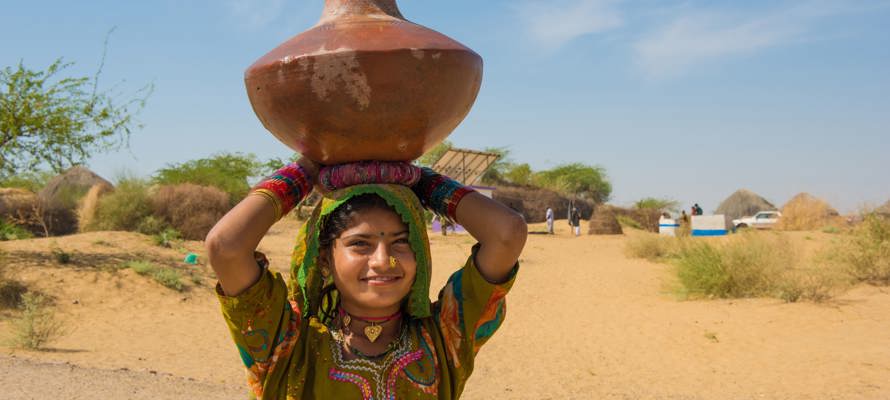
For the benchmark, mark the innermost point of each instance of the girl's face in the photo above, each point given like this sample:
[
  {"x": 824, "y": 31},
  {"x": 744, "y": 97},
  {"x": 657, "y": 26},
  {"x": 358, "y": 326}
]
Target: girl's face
[{"x": 373, "y": 264}]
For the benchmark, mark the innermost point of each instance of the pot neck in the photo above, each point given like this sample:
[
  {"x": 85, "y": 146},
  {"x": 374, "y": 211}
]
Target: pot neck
[{"x": 360, "y": 8}]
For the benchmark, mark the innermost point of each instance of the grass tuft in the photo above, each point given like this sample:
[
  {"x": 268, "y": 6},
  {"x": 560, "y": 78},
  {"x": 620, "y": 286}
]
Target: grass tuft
[
  {"x": 37, "y": 325},
  {"x": 166, "y": 276}
]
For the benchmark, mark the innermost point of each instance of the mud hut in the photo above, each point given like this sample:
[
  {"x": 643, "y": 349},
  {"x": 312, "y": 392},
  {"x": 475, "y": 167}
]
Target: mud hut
[
  {"x": 806, "y": 212},
  {"x": 743, "y": 203},
  {"x": 603, "y": 222}
]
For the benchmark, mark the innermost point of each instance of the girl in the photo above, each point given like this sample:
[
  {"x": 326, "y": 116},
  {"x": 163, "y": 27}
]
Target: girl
[{"x": 354, "y": 320}]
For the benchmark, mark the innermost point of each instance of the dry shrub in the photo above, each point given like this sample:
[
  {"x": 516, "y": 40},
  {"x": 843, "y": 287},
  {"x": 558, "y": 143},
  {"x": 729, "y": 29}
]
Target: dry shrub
[
  {"x": 190, "y": 209},
  {"x": 811, "y": 284},
  {"x": 86, "y": 213},
  {"x": 11, "y": 292},
  {"x": 603, "y": 222},
  {"x": 646, "y": 219},
  {"x": 805, "y": 212},
  {"x": 533, "y": 202},
  {"x": 866, "y": 254},
  {"x": 37, "y": 325}
]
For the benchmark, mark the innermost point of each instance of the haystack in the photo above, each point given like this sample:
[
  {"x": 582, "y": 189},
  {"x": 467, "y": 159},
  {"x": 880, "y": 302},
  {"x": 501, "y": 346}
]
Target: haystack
[
  {"x": 603, "y": 222},
  {"x": 743, "y": 203},
  {"x": 532, "y": 202},
  {"x": 806, "y": 212},
  {"x": 66, "y": 189},
  {"x": 191, "y": 209}
]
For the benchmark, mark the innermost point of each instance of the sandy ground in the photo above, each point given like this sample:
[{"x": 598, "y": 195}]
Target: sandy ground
[{"x": 583, "y": 321}]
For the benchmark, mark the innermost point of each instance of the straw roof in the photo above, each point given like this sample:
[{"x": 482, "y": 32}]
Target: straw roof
[
  {"x": 805, "y": 212},
  {"x": 66, "y": 189},
  {"x": 16, "y": 203},
  {"x": 603, "y": 222},
  {"x": 743, "y": 203}
]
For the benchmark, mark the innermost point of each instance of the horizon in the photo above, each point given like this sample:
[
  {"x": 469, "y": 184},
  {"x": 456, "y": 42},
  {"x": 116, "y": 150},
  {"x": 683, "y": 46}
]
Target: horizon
[{"x": 687, "y": 100}]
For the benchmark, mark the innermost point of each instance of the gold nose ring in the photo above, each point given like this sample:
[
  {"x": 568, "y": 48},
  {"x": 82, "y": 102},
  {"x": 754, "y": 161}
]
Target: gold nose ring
[{"x": 392, "y": 262}]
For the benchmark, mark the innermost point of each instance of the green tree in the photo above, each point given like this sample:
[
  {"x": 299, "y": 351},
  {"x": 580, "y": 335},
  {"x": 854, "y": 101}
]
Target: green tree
[
  {"x": 652, "y": 203},
  {"x": 430, "y": 157},
  {"x": 227, "y": 171},
  {"x": 520, "y": 174},
  {"x": 584, "y": 181},
  {"x": 51, "y": 121}
]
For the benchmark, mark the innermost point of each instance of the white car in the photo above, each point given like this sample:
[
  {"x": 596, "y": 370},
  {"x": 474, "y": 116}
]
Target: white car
[{"x": 761, "y": 220}]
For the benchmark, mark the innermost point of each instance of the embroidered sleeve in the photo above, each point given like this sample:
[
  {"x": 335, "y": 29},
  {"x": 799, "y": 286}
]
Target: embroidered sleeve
[
  {"x": 469, "y": 311},
  {"x": 264, "y": 326}
]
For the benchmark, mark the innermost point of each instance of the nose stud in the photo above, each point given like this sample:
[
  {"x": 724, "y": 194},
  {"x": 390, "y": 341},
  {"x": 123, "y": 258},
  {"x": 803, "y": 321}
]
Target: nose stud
[{"x": 392, "y": 262}]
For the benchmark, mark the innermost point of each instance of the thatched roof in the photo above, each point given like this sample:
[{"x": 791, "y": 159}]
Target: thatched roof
[
  {"x": 64, "y": 190},
  {"x": 603, "y": 222},
  {"x": 805, "y": 211},
  {"x": 743, "y": 203}
]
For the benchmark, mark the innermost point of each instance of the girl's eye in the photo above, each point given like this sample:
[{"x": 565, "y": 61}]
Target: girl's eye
[{"x": 358, "y": 243}]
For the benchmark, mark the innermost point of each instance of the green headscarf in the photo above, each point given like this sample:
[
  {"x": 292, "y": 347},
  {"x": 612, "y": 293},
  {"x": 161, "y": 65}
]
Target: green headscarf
[{"x": 306, "y": 281}]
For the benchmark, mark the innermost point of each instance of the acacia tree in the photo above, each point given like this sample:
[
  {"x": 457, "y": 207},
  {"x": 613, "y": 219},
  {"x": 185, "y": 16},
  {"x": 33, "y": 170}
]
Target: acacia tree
[
  {"x": 584, "y": 181},
  {"x": 47, "y": 120}
]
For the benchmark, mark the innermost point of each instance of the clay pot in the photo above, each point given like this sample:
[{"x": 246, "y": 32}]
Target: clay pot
[{"x": 364, "y": 84}]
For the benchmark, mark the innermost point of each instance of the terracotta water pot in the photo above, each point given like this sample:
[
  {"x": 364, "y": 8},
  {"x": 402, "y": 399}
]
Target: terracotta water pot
[{"x": 364, "y": 84}]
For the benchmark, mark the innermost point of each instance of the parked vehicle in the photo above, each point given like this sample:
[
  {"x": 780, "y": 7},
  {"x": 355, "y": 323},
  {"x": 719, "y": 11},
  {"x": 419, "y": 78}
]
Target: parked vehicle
[{"x": 761, "y": 220}]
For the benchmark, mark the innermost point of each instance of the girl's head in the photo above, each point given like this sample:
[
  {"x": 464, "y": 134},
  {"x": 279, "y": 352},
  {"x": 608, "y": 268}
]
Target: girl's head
[{"x": 364, "y": 246}]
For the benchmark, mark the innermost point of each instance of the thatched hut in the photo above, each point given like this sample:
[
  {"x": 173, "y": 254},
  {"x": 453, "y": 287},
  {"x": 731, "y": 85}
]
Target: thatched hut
[
  {"x": 62, "y": 195},
  {"x": 603, "y": 222},
  {"x": 805, "y": 212},
  {"x": 15, "y": 203},
  {"x": 743, "y": 203}
]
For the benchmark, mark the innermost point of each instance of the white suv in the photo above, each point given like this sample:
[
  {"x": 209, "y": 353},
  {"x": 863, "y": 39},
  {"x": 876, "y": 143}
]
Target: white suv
[{"x": 761, "y": 220}]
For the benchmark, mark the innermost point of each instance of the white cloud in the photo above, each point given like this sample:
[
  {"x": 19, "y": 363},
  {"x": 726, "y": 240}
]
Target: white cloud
[
  {"x": 553, "y": 23},
  {"x": 255, "y": 13},
  {"x": 700, "y": 37}
]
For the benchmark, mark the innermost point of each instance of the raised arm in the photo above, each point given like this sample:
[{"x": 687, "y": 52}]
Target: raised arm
[
  {"x": 232, "y": 241},
  {"x": 501, "y": 233}
]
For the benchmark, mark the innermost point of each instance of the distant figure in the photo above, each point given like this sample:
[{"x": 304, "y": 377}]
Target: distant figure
[
  {"x": 549, "y": 220},
  {"x": 696, "y": 210},
  {"x": 684, "y": 217},
  {"x": 575, "y": 221}
]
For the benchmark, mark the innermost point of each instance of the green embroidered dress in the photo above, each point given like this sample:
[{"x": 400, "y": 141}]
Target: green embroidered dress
[{"x": 290, "y": 354}]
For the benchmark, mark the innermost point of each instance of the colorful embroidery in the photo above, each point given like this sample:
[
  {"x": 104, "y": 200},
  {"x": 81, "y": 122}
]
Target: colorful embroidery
[
  {"x": 430, "y": 385},
  {"x": 451, "y": 316},
  {"x": 491, "y": 318},
  {"x": 355, "y": 379},
  {"x": 258, "y": 370}
]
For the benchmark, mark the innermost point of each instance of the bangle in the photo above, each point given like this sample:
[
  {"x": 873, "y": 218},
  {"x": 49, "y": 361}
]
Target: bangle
[
  {"x": 440, "y": 193},
  {"x": 284, "y": 189},
  {"x": 344, "y": 175}
]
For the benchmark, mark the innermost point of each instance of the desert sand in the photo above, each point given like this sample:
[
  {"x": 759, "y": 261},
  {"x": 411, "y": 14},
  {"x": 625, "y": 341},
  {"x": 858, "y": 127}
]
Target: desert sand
[{"x": 583, "y": 321}]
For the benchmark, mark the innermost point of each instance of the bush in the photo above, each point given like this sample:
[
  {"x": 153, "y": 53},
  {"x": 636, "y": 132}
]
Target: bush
[
  {"x": 124, "y": 208},
  {"x": 226, "y": 171},
  {"x": 37, "y": 325},
  {"x": 152, "y": 225},
  {"x": 190, "y": 209},
  {"x": 9, "y": 231},
  {"x": 749, "y": 265},
  {"x": 628, "y": 222},
  {"x": 866, "y": 255}
]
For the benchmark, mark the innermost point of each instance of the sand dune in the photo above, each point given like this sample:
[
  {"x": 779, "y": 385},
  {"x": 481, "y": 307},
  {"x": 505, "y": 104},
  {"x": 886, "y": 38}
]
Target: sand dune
[{"x": 583, "y": 322}]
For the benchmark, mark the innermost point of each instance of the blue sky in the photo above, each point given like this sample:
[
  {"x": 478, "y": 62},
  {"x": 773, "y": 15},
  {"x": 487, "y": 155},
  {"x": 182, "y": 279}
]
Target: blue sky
[{"x": 689, "y": 100}]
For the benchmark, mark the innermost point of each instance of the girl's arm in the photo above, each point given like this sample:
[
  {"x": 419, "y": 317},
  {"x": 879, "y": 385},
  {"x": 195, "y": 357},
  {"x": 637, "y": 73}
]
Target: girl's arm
[
  {"x": 501, "y": 233},
  {"x": 231, "y": 243}
]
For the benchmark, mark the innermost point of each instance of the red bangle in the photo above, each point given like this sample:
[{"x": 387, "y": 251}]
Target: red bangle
[{"x": 285, "y": 188}]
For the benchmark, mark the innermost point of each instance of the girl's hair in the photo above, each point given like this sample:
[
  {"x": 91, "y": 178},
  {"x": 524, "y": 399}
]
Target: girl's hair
[{"x": 332, "y": 227}]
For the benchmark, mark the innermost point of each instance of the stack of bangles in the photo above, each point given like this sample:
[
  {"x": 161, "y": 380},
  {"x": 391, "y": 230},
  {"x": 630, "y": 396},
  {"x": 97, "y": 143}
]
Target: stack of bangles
[
  {"x": 439, "y": 193},
  {"x": 284, "y": 189}
]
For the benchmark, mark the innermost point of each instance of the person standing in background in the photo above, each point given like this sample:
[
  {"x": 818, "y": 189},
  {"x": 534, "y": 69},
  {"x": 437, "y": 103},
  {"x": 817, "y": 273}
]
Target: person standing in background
[
  {"x": 575, "y": 221},
  {"x": 549, "y": 217}
]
